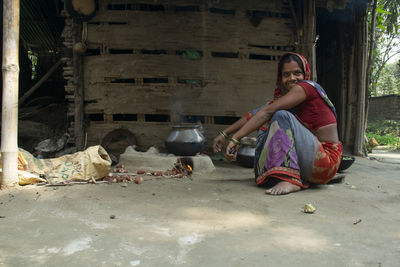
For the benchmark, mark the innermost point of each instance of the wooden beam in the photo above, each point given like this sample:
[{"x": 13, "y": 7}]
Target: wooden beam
[{"x": 10, "y": 68}]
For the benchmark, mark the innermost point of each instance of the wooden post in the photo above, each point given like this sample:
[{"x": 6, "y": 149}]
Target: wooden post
[
  {"x": 309, "y": 38},
  {"x": 78, "y": 83},
  {"x": 361, "y": 84},
  {"x": 9, "y": 122},
  {"x": 350, "y": 95},
  {"x": 344, "y": 87}
]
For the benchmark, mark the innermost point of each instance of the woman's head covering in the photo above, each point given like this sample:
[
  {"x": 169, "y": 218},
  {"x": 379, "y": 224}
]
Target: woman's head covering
[{"x": 307, "y": 73}]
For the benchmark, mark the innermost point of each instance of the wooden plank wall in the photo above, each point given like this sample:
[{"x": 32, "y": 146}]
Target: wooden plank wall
[{"x": 138, "y": 73}]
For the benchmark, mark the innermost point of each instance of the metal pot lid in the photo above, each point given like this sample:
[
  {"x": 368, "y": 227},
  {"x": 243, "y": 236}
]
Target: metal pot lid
[
  {"x": 185, "y": 134},
  {"x": 183, "y": 126},
  {"x": 250, "y": 141}
]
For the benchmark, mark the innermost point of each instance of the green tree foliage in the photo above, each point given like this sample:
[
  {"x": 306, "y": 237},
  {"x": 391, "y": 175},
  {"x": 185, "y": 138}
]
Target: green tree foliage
[
  {"x": 389, "y": 80},
  {"x": 386, "y": 43},
  {"x": 390, "y": 10}
]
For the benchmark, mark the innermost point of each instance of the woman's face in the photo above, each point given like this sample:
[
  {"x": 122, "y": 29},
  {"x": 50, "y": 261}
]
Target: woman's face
[{"x": 291, "y": 74}]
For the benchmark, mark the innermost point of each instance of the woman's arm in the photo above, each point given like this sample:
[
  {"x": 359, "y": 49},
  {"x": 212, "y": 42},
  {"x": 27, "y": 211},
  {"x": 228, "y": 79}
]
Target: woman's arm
[
  {"x": 294, "y": 97},
  {"x": 236, "y": 126},
  {"x": 220, "y": 139}
]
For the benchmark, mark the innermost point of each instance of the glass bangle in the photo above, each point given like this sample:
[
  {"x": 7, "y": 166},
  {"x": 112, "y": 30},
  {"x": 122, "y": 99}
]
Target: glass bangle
[
  {"x": 235, "y": 141},
  {"x": 223, "y": 134}
]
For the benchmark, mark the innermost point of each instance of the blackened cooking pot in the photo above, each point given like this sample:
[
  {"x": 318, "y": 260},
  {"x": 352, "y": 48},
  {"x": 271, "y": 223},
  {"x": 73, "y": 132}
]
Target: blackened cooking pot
[
  {"x": 185, "y": 140},
  {"x": 246, "y": 152}
]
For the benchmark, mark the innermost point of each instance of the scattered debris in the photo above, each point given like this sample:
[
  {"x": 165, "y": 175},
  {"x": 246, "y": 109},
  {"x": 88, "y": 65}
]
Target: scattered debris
[
  {"x": 309, "y": 208},
  {"x": 141, "y": 172},
  {"x": 120, "y": 169},
  {"x": 156, "y": 173},
  {"x": 121, "y": 175},
  {"x": 117, "y": 178},
  {"x": 138, "y": 180},
  {"x": 351, "y": 186},
  {"x": 358, "y": 221},
  {"x": 181, "y": 169}
]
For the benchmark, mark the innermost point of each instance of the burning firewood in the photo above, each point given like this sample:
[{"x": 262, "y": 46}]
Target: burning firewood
[{"x": 184, "y": 166}]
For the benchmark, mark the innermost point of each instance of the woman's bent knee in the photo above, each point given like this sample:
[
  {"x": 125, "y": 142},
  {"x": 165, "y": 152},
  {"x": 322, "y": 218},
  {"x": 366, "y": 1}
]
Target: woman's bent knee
[{"x": 281, "y": 114}]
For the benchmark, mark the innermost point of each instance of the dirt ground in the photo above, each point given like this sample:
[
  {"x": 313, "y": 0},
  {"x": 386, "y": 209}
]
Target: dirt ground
[{"x": 217, "y": 219}]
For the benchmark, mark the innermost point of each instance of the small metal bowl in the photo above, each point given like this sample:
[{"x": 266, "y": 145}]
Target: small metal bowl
[{"x": 346, "y": 162}]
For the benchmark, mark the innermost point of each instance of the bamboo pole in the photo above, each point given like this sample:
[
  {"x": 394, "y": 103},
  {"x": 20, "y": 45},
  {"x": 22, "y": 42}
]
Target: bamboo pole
[{"x": 10, "y": 68}]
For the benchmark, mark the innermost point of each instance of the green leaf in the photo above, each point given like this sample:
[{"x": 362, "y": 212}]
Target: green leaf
[{"x": 382, "y": 11}]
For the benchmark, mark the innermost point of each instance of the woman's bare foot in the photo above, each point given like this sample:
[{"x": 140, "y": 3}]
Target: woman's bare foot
[{"x": 282, "y": 188}]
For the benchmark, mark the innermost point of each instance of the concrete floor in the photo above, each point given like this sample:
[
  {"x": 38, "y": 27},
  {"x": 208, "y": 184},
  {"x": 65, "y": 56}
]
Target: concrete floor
[{"x": 218, "y": 219}]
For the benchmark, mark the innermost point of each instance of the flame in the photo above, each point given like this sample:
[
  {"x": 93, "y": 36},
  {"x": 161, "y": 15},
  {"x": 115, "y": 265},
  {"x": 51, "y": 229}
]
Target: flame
[{"x": 184, "y": 167}]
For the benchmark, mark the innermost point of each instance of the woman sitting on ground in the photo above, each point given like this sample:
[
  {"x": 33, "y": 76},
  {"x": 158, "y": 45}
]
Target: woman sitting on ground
[{"x": 292, "y": 151}]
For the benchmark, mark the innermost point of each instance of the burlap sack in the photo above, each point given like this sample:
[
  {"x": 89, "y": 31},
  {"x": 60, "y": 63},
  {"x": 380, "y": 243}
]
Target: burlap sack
[{"x": 93, "y": 163}]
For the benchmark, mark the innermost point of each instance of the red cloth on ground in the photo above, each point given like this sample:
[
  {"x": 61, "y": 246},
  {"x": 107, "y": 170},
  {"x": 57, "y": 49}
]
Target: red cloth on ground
[{"x": 326, "y": 162}]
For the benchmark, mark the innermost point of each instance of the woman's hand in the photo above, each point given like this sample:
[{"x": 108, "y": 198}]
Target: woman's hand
[
  {"x": 231, "y": 151},
  {"x": 218, "y": 143}
]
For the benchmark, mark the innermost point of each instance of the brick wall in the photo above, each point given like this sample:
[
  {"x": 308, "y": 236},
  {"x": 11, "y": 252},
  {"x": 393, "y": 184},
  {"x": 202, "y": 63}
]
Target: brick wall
[{"x": 384, "y": 108}]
